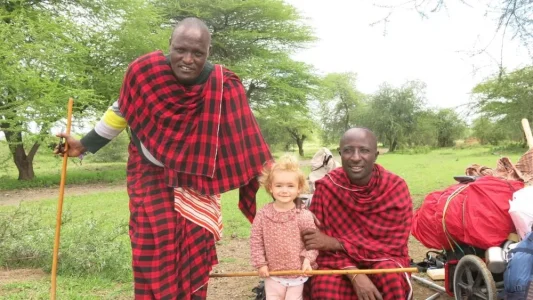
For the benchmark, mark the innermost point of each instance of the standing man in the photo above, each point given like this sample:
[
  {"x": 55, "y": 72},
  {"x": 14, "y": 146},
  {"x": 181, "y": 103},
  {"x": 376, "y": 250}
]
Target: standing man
[
  {"x": 193, "y": 137},
  {"x": 365, "y": 213}
]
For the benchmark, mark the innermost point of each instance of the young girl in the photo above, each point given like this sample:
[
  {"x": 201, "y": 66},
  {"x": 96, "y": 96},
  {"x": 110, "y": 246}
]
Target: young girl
[{"x": 275, "y": 241}]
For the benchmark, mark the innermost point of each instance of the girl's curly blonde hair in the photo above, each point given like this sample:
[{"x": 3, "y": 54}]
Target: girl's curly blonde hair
[{"x": 284, "y": 163}]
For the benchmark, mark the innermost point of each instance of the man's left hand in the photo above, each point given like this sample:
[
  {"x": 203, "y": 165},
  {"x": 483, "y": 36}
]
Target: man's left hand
[{"x": 316, "y": 240}]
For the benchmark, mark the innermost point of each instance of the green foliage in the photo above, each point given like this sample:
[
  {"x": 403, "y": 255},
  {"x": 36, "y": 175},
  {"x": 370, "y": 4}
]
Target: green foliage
[
  {"x": 341, "y": 105},
  {"x": 507, "y": 98},
  {"x": 284, "y": 125},
  {"x": 115, "y": 151},
  {"x": 449, "y": 127},
  {"x": 393, "y": 112},
  {"x": 487, "y": 131},
  {"x": 243, "y": 30}
]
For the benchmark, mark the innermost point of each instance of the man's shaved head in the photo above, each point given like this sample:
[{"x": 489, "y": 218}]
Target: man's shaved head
[
  {"x": 194, "y": 24},
  {"x": 369, "y": 134}
]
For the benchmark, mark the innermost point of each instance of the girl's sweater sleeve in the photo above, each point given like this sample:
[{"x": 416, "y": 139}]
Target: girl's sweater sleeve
[{"x": 257, "y": 244}]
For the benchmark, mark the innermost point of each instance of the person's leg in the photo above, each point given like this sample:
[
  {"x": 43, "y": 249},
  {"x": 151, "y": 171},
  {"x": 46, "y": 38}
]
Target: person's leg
[
  {"x": 274, "y": 290},
  {"x": 392, "y": 286},
  {"x": 326, "y": 287},
  {"x": 294, "y": 292}
]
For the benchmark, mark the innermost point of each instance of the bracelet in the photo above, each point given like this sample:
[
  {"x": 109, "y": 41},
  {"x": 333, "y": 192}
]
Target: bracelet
[{"x": 353, "y": 277}]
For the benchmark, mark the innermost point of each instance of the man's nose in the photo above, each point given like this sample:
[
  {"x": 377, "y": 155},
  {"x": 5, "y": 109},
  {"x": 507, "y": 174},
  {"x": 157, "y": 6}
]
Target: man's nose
[
  {"x": 356, "y": 156},
  {"x": 187, "y": 58}
]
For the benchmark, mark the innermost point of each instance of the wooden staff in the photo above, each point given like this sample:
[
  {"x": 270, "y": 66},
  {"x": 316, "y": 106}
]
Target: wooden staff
[
  {"x": 60, "y": 203},
  {"x": 318, "y": 272},
  {"x": 527, "y": 131}
]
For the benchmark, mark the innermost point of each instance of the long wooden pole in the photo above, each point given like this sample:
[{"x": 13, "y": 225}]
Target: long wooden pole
[
  {"x": 60, "y": 203},
  {"x": 318, "y": 272},
  {"x": 527, "y": 131}
]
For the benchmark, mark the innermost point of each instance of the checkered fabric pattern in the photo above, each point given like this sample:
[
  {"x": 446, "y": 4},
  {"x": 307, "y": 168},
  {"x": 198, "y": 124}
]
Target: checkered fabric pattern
[
  {"x": 172, "y": 257},
  {"x": 205, "y": 135},
  {"x": 372, "y": 223},
  {"x": 392, "y": 286}
]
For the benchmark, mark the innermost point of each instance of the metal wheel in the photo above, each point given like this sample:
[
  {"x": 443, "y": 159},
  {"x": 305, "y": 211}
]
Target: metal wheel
[{"x": 473, "y": 280}]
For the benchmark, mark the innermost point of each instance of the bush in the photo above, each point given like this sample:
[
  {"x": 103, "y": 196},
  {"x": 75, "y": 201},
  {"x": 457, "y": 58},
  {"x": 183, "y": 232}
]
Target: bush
[
  {"x": 415, "y": 150},
  {"x": 88, "y": 246}
]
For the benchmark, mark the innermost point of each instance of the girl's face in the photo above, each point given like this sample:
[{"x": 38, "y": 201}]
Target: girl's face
[{"x": 284, "y": 187}]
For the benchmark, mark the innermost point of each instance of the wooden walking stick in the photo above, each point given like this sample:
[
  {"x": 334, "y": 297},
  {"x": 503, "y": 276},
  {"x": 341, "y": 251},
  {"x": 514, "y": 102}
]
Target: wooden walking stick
[
  {"x": 318, "y": 272},
  {"x": 60, "y": 203}
]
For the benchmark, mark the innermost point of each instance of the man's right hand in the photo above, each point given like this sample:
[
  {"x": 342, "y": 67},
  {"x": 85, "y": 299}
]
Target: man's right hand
[
  {"x": 364, "y": 288},
  {"x": 75, "y": 147}
]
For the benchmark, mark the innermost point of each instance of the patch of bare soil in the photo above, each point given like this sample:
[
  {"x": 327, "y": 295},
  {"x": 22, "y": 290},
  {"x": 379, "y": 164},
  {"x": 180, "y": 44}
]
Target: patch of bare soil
[
  {"x": 20, "y": 275},
  {"x": 15, "y": 197},
  {"x": 233, "y": 256}
]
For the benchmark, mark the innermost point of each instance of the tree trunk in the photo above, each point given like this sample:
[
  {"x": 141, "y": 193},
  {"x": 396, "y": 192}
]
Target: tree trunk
[
  {"x": 393, "y": 146},
  {"x": 300, "y": 143},
  {"x": 23, "y": 161},
  {"x": 24, "y": 164},
  {"x": 299, "y": 140}
]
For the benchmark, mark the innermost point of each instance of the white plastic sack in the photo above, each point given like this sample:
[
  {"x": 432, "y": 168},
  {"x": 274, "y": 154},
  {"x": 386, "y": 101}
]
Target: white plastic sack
[{"x": 521, "y": 210}]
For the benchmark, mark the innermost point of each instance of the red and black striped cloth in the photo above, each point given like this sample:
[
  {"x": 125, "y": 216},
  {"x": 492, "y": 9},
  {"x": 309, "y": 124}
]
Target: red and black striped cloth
[
  {"x": 207, "y": 143},
  {"x": 373, "y": 224}
]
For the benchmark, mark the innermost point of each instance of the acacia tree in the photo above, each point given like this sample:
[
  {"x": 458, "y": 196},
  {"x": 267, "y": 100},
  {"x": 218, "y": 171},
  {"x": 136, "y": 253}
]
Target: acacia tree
[
  {"x": 341, "y": 105},
  {"x": 449, "y": 127},
  {"x": 283, "y": 125},
  {"x": 39, "y": 73},
  {"x": 507, "y": 98},
  {"x": 392, "y": 111},
  {"x": 53, "y": 50},
  {"x": 255, "y": 38}
]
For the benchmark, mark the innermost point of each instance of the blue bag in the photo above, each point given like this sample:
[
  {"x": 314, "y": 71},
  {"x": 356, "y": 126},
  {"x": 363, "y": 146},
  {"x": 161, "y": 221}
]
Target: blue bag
[{"x": 518, "y": 276}]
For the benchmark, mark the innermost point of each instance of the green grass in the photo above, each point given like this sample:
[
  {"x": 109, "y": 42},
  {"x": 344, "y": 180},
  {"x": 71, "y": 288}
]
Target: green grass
[{"x": 95, "y": 250}]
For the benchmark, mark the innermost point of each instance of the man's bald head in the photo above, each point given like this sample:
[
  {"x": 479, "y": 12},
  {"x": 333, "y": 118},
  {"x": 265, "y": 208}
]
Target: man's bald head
[
  {"x": 360, "y": 132},
  {"x": 358, "y": 149},
  {"x": 192, "y": 23}
]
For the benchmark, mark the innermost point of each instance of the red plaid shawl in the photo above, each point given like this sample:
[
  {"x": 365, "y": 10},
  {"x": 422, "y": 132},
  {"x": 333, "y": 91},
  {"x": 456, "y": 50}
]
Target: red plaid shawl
[
  {"x": 205, "y": 134},
  {"x": 373, "y": 224}
]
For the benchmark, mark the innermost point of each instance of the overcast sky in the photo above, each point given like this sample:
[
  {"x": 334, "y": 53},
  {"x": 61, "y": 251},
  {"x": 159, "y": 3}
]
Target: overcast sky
[{"x": 433, "y": 50}]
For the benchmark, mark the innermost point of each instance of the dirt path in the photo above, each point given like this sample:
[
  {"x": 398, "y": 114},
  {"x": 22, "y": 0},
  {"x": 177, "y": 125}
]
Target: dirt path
[{"x": 15, "y": 197}]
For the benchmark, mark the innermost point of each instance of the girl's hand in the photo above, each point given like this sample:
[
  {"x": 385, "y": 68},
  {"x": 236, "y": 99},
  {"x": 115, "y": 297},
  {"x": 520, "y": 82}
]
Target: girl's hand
[
  {"x": 306, "y": 266},
  {"x": 263, "y": 272}
]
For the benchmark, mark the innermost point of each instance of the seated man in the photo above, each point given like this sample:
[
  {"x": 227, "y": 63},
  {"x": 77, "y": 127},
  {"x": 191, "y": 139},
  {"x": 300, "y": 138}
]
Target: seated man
[{"x": 365, "y": 214}]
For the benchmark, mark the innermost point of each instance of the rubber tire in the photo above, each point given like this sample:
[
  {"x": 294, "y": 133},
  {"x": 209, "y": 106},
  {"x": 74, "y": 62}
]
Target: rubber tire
[{"x": 475, "y": 264}]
